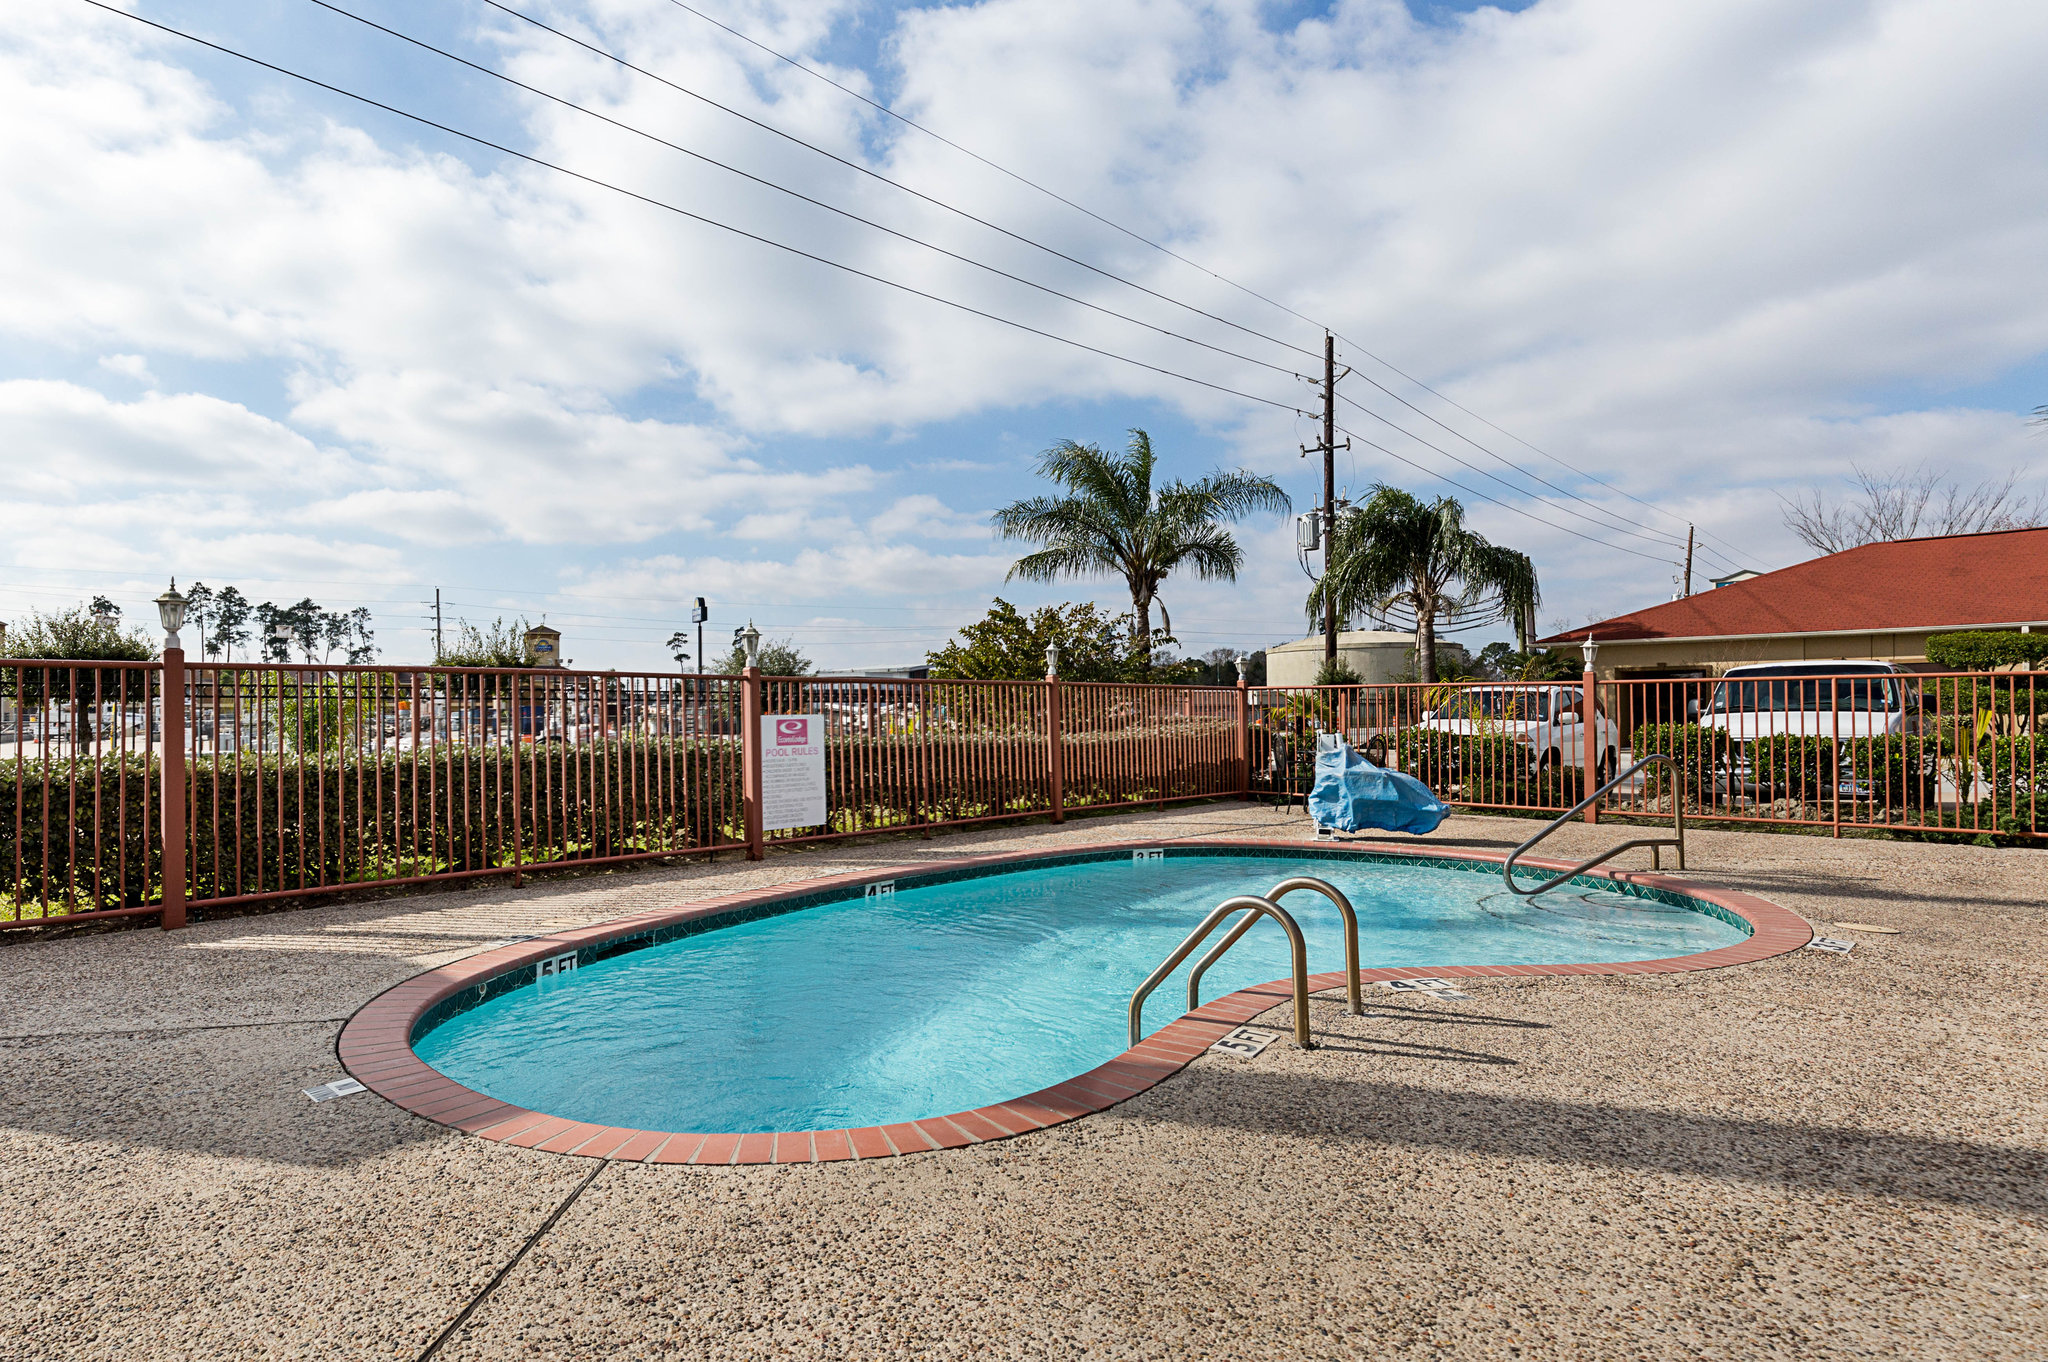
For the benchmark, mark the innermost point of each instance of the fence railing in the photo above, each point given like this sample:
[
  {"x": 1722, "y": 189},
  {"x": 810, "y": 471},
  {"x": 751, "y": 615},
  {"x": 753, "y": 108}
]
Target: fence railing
[
  {"x": 148, "y": 787},
  {"x": 1942, "y": 752}
]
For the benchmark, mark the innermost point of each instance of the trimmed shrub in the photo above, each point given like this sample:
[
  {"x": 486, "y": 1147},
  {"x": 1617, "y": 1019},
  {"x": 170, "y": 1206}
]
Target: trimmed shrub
[{"x": 1983, "y": 650}]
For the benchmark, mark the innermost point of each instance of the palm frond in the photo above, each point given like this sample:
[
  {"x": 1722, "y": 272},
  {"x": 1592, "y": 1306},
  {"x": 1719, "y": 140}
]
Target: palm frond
[{"x": 1061, "y": 560}]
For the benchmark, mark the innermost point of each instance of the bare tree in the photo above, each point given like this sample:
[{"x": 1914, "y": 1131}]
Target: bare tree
[{"x": 1907, "y": 504}]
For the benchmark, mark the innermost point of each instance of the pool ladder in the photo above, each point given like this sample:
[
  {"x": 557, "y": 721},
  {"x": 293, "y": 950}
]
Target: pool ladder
[
  {"x": 1677, "y": 838},
  {"x": 1254, "y": 907}
]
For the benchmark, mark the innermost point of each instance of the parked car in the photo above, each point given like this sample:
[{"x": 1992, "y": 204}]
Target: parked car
[
  {"x": 1827, "y": 699},
  {"x": 1543, "y": 721}
]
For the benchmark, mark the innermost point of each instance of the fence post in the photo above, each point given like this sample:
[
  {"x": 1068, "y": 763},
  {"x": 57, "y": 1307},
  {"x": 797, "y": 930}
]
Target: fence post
[
  {"x": 518, "y": 780},
  {"x": 1834, "y": 776},
  {"x": 1055, "y": 764},
  {"x": 173, "y": 792},
  {"x": 1590, "y": 741},
  {"x": 750, "y": 757},
  {"x": 1244, "y": 733}
]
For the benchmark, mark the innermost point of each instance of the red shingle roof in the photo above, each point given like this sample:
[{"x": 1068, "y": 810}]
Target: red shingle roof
[{"x": 1951, "y": 582}]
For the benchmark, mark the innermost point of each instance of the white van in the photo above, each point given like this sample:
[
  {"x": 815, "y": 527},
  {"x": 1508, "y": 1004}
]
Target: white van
[
  {"x": 1543, "y": 720},
  {"x": 1813, "y": 700},
  {"x": 1835, "y": 698}
]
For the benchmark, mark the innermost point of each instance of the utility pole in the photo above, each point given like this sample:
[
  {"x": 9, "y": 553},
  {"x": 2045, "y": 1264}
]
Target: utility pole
[
  {"x": 1328, "y": 449},
  {"x": 439, "y": 650},
  {"x": 1688, "y": 559}
]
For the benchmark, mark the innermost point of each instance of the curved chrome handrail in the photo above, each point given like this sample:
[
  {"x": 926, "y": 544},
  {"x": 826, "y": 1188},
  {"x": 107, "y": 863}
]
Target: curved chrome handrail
[
  {"x": 1507, "y": 870},
  {"x": 1288, "y": 886},
  {"x": 1234, "y": 904}
]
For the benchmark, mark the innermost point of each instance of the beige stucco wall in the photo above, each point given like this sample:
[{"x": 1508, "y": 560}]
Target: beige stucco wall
[{"x": 1718, "y": 655}]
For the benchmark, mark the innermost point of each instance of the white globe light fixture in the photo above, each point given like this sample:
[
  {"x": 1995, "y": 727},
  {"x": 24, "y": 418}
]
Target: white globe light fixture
[
  {"x": 750, "y": 639},
  {"x": 170, "y": 608}
]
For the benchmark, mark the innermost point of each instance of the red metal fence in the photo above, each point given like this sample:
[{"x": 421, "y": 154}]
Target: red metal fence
[
  {"x": 1827, "y": 747},
  {"x": 148, "y": 787}
]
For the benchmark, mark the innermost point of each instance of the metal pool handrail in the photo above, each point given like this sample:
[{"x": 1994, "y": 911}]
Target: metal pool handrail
[
  {"x": 1288, "y": 886},
  {"x": 1507, "y": 870},
  {"x": 1236, "y": 903}
]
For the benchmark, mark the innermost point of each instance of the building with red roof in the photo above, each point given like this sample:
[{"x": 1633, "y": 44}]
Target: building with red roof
[{"x": 1880, "y": 601}]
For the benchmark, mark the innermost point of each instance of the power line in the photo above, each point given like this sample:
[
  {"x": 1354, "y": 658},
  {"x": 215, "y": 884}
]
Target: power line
[
  {"x": 894, "y": 183},
  {"x": 1004, "y": 170},
  {"x": 1470, "y": 491},
  {"x": 795, "y": 193},
  {"x": 1524, "y": 443},
  {"x": 1621, "y": 523},
  {"x": 686, "y": 213},
  {"x": 1463, "y": 463},
  {"x": 1165, "y": 250}
]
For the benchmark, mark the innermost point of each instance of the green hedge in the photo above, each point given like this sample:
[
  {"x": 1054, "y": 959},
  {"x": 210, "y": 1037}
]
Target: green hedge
[
  {"x": 1426, "y": 753},
  {"x": 2017, "y": 770},
  {"x": 1894, "y": 769},
  {"x": 66, "y": 828},
  {"x": 1486, "y": 768},
  {"x": 1983, "y": 650},
  {"x": 1964, "y": 709},
  {"x": 260, "y": 823}
]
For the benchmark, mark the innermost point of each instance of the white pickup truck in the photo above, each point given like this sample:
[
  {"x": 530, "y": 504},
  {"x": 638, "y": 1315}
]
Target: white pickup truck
[{"x": 1544, "y": 721}]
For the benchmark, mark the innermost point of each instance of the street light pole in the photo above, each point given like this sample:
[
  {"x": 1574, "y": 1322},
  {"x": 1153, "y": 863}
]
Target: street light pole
[{"x": 170, "y": 608}]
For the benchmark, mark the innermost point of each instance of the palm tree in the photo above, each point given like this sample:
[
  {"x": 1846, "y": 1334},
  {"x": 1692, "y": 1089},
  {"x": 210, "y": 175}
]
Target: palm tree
[
  {"x": 1397, "y": 551},
  {"x": 1113, "y": 521}
]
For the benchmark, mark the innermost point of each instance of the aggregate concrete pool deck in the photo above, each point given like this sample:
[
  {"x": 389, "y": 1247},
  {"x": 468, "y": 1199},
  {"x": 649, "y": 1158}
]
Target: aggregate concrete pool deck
[{"x": 1813, "y": 1156}]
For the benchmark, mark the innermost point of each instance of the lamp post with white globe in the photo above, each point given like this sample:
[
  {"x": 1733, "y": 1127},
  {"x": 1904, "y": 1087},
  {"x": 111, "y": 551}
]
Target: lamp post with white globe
[
  {"x": 1055, "y": 767},
  {"x": 170, "y": 610},
  {"x": 1589, "y": 737},
  {"x": 752, "y": 744}
]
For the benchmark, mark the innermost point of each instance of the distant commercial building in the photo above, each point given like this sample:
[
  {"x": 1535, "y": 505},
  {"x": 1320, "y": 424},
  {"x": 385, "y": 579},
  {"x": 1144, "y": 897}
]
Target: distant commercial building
[
  {"x": 1377, "y": 655},
  {"x": 1877, "y": 602},
  {"x": 544, "y": 646}
]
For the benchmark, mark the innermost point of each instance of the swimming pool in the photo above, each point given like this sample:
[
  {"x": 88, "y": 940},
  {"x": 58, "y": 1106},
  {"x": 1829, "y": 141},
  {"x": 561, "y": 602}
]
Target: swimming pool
[{"x": 967, "y": 986}]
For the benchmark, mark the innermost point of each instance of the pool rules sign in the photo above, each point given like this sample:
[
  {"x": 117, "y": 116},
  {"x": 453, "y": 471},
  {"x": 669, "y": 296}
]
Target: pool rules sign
[{"x": 792, "y": 771}]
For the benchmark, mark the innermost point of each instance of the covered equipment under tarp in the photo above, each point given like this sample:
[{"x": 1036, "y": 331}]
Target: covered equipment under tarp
[{"x": 1351, "y": 794}]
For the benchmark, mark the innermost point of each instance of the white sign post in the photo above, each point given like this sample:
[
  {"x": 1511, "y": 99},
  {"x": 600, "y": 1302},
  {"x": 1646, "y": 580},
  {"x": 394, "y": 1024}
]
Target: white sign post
[{"x": 792, "y": 771}]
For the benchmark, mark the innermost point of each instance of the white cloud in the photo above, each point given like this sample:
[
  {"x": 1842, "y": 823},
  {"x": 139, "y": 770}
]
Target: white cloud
[
  {"x": 847, "y": 574},
  {"x": 129, "y": 366},
  {"x": 926, "y": 517},
  {"x": 69, "y": 442}
]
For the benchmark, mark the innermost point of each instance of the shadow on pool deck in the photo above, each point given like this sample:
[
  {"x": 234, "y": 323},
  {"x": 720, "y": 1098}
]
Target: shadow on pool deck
[
  {"x": 234, "y": 1094},
  {"x": 1822, "y": 885},
  {"x": 1799, "y": 1157}
]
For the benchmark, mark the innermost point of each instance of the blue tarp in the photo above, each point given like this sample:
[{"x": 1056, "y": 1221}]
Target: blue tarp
[{"x": 1351, "y": 794}]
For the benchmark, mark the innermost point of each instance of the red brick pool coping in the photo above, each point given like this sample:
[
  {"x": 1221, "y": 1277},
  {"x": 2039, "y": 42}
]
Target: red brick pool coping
[{"x": 375, "y": 1047}]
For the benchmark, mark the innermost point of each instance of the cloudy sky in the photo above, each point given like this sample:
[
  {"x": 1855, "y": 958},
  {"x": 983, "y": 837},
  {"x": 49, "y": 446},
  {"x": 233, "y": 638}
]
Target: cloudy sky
[{"x": 1698, "y": 253}]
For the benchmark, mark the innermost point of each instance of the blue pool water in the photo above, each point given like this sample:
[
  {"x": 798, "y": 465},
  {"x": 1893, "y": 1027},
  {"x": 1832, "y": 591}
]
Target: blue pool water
[{"x": 954, "y": 995}]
